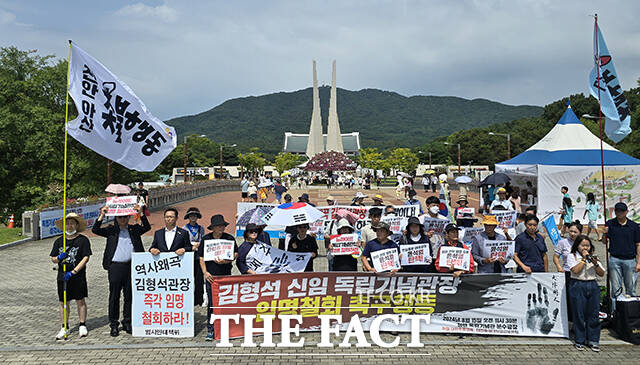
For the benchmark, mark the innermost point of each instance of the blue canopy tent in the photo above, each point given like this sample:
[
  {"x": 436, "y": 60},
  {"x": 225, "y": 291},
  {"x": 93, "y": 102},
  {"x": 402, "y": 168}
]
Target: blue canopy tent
[{"x": 569, "y": 155}]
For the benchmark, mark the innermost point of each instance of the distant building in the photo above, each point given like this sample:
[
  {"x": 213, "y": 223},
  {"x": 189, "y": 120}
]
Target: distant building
[{"x": 315, "y": 141}]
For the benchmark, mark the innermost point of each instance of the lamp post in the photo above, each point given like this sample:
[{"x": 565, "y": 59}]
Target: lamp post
[
  {"x": 508, "y": 142},
  {"x": 451, "y": 144},
  {"x": 221, "y": 145},
  {"x": 186, "y": 177}
]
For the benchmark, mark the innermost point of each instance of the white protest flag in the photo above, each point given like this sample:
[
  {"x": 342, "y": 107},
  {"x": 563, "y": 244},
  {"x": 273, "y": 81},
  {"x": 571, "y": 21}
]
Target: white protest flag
[{"x": 112, "y": 120}]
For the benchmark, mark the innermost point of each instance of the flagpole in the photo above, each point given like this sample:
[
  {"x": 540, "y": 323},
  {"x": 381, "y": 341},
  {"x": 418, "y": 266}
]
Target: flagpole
[
  {"x": 604, "y": 196},
  {"x": 64, "y": 192}
]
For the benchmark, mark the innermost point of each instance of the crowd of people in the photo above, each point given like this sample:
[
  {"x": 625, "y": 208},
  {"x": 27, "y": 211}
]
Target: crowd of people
[{"x": 573, "y": 255}]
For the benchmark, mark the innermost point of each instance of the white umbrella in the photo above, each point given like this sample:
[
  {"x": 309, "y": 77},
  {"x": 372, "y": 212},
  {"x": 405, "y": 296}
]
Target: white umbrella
[
  {"x": 463, "y": 179},
  {"x": 265, "y": 185},
  {"x": 291, "y": 214}
]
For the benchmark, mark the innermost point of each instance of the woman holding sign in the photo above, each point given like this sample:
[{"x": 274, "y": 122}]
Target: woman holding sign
[
  {"x": 303, "y": 242},
  {"x": 342, "y": 261},
  {"x": 215, "y": 267},
  {"x": 416, "y": 236},
  {"x": 196, "y": 232},
  {"x": 457, "y": 266}
]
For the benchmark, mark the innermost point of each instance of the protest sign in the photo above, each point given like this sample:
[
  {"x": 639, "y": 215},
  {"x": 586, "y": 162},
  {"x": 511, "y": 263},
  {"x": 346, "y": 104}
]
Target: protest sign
[
  {"x": 457, "y": 257},
  {"x": 415, "y": 254},
  {"x": 121, "y": 205},
  {"x": 506, "y": 218},
  {"x": 435, "y": 224},
  {"x": 345, "y": 244},
  {"x": 218, "y": 249},
  {"x": 162, "y": 295},
  {"x": 385, "y": 260},
  {"x": 112, "y": 120},
  {"x": 264, "y": 259},
  {"x": 498, "y": 249},
  {"x": 455, "y": 305},
  {"x": 552, "y": 230},
  {"x": 48, "y": 218},
  {"x": 470, "y": 233},
  {"x": 462, "y": 211}
]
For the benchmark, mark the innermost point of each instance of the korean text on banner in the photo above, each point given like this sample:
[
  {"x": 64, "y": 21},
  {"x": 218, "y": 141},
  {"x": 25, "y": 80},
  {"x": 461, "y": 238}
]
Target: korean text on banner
[
  {"x": 455, "y": 305},
  {"x": 457, "y": 257},
  {"x": 470, "y": 233},
  {"x": 386, "y": 260},
  {"x": 506, "y": 218},
  {"x": 470, "y": 212},
  {"x": 264, "y": 259},
  {"x": 345, "y": 244},
  {"x": 162, "y": 295},
  {"x": 435, "y": 224},
  {"x": 112, "y": 120},
  {"x": 415, "y": 254},
  {"x": 48, "y": 218},
  {"x": 218, "y": 250},
  {"x": 121, "y": 205},
  {"x": 552, "y": 230},
  {"x": 498, "y": 249}
]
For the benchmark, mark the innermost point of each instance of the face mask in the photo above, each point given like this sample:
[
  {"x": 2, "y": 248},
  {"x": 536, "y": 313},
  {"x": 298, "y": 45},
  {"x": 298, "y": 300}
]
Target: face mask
[
  {"x": 70, "y": 233},
  {"x": 434, "y": 210}
]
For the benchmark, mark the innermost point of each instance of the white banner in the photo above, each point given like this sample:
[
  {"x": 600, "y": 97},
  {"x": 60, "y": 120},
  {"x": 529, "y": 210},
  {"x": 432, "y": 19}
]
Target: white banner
[
  {"x": 462, "y": 211},
  {"x": 457, "y": 257},
  {"x": 112, "y": 120},
  {"x": 498, "y": 249},
  {"x": 415, "y": 254},
  {"x": 506, "y": 218},
  {"x": 385, "y": 260},
  {"x": 121, "y": 205},
  {"x": 47, "y": 218},
  {"x": 162, "y": 295},
  {"x": 345, "y": 244},
  {"x": 470, "y": 233},
  {"x": 435, "y": 224},
  {"x": 218, "y": 250},
  {"x": 264, "y": 259}
]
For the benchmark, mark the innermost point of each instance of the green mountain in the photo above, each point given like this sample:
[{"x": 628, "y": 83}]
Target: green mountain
[{"x": 383, "y": 118}]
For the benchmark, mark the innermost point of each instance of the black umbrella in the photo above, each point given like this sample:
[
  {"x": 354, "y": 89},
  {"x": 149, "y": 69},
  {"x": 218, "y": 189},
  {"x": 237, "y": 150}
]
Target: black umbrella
[{"x": 495, "y": 179}]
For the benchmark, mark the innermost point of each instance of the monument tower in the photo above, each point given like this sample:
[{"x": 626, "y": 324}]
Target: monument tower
[
  {"x": 315, "y": 144},
  {"x": 334, "y": 139}
]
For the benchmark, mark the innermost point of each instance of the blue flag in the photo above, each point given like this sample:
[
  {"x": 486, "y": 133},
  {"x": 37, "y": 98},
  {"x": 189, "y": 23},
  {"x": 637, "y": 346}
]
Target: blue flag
[
  {"x": 613, "y": 103},
  {"x": 552, "y": 230}
]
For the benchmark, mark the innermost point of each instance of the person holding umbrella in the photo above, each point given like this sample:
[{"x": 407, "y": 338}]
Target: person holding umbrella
[
  {"x": 196, "y": 232},
  {"x": 72, "y": 277}
]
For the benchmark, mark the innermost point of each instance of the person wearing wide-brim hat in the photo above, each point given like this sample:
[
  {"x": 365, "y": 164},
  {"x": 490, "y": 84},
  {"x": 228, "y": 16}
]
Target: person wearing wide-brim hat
[
  {"x": 72, "y": 278},
  {"x": 214, "y": 268},
  {"x": 488, "y": 264},
  {"x": 452, "y": 240},
  {"x": 196, "y": 232},
  {"x": 415, "y": 235},
  {"x": 344, "y": 262},
  {"x": 378, "y": 200},
  {"x": 381, "y": 242},
  {"x": 358, "y": 199}
]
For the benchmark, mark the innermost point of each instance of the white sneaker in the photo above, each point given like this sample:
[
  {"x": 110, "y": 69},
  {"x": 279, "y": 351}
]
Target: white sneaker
[
  {"x": 83, "y": 331},
  {"x": 60, "y": 335}
]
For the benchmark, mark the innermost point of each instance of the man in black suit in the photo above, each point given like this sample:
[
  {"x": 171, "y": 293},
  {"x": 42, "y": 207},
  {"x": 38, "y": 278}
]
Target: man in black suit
[
  {"x": 122, "y": 240},
  {"x": 170, "y": 238}
]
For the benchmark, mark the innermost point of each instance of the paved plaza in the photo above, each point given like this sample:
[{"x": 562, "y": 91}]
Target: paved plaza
[{"x": 30, "y": 320}]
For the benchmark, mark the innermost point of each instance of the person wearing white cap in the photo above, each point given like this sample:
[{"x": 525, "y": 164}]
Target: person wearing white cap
[
  {"x": 72, "y": 264},
  {"x": 344, "y": 262},
  {"x": 502, "y": 200},
  {"x": 358, "y": 200}
]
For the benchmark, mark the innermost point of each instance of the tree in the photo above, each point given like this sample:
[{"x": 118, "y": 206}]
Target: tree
[
  {"x": 403, "y": 159},
  {"x": 285, "y": 161},
  {"x": 370, "y": 158},
  {"x": 253, "y": 161}
]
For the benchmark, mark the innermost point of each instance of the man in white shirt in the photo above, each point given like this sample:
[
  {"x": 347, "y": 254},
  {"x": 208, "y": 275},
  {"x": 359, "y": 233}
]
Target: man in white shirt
[{"x": 170, "y": 238}]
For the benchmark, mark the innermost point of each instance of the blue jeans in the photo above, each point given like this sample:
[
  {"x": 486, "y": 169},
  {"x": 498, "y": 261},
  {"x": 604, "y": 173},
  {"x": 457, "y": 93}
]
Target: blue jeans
[
  {"x": 585, "y": 301},
  {"x": 620, "y": 270}
]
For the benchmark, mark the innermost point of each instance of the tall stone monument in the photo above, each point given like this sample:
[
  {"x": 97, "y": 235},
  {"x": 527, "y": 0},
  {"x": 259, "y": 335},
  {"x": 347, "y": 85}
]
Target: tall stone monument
[
  {"x": 334, "y": 139},
  {"x": 315, "y": 144}
]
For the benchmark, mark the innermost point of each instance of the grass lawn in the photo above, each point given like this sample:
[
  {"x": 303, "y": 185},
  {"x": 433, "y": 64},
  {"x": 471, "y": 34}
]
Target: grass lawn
[{"x": 10, "y": 234}]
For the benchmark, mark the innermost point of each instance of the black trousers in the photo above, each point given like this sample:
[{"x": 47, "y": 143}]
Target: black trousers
[{"x": 119, "y": 281}]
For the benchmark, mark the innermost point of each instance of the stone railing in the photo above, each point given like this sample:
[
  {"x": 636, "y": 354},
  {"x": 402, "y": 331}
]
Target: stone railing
[{"x": 159, "y": 198}]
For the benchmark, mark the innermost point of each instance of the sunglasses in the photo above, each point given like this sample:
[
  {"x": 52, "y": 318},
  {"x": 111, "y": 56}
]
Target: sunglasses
[{"x": 250, "y": 232}]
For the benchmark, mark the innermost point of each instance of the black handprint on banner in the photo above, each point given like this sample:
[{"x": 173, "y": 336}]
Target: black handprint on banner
[{"x": 538, "y": 312}]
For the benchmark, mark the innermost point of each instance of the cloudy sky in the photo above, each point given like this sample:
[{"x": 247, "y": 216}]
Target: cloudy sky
[{"x": 185, "y": 57}]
